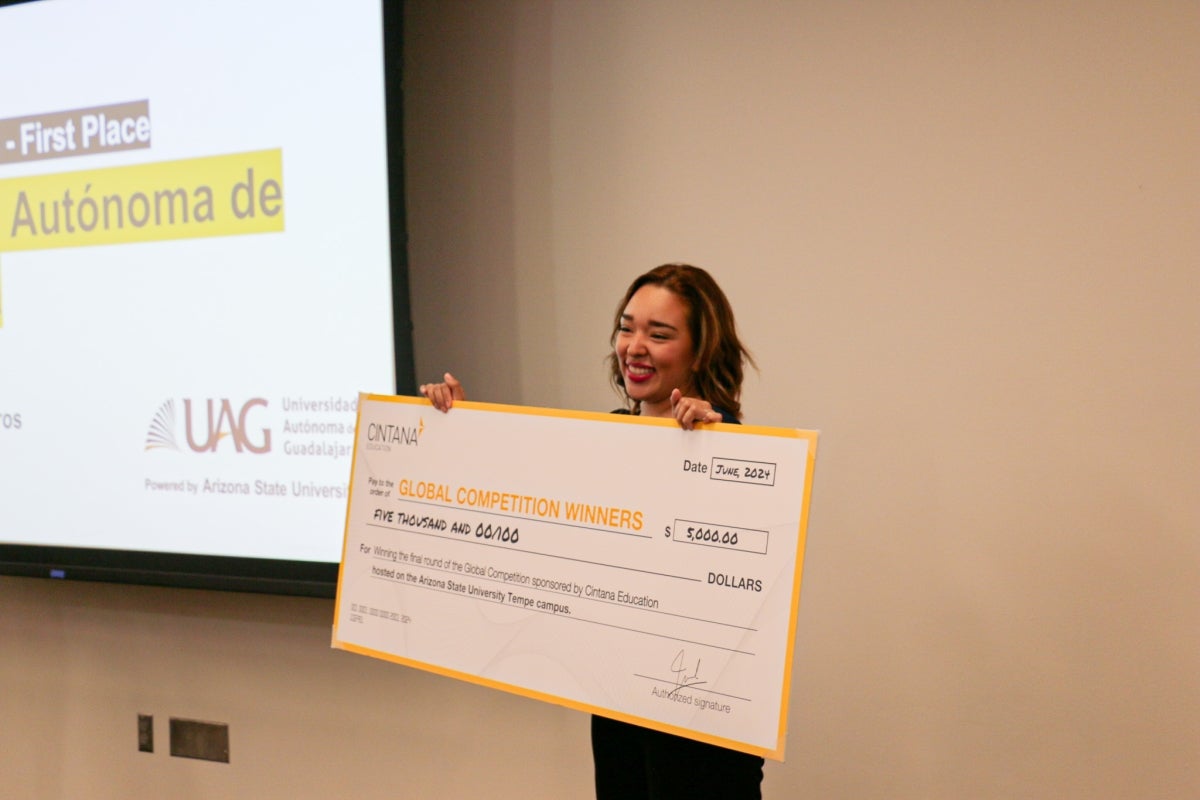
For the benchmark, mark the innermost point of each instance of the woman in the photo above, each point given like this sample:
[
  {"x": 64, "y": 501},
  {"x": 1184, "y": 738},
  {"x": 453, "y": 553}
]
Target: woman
[{"x": 675, "y": 353}]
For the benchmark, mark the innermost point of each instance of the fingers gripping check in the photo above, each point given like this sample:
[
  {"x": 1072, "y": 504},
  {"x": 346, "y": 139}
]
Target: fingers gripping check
[
  {"x": 444, "y": 394},
  {"x": 689, "y": 411}
]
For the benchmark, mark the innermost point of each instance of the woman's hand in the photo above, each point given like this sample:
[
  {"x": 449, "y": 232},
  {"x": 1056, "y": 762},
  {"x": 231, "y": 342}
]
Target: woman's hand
[
  {"x": 690, "y": 410},
  {"x": 443, "y": 395}
]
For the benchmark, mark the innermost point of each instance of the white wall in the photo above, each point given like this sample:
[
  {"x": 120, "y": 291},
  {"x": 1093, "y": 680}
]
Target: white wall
[{"x": 961, "y": 240}]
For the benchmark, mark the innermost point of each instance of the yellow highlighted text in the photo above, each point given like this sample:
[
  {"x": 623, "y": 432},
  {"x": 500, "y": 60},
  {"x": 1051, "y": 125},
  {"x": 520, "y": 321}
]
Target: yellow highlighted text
[{"x": 224, "y": 195}]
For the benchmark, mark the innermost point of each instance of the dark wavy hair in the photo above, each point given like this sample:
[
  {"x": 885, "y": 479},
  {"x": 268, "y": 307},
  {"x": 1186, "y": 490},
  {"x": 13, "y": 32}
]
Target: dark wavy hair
[{"x": 720, "y": 355}]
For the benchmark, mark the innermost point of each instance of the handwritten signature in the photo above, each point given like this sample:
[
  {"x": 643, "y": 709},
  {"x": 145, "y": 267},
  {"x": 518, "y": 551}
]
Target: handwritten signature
[{"x": 684, "y": 676}]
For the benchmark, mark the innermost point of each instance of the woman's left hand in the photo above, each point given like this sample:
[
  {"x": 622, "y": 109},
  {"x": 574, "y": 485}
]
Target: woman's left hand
[{"x": 690, "y": 410}]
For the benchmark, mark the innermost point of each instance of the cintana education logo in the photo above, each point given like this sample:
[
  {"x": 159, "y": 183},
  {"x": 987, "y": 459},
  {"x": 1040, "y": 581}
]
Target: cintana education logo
[
  {"x": 210, "y": 424},
  {"x": 383, "y": 436}
]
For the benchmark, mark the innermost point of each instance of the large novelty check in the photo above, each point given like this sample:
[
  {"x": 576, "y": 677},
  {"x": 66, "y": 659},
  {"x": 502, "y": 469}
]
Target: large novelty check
[{"x": 613, "y": 564}]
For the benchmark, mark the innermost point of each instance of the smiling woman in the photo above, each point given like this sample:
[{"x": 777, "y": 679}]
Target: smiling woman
[
  {"x": 675, "y": 354},
  {"x": 654, "y": 349},
  {"x": 674, "y": 330}
]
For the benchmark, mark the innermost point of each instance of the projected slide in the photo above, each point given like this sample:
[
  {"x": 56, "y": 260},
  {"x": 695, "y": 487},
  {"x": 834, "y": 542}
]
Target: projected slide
[{"x": 194, "y": 271}]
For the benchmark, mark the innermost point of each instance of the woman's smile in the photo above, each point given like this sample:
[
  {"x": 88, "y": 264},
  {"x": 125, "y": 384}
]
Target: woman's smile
[{"x": 654, "y": 348}]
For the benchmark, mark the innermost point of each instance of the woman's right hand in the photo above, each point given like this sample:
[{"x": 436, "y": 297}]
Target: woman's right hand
[{"x": 443, "y": 395}]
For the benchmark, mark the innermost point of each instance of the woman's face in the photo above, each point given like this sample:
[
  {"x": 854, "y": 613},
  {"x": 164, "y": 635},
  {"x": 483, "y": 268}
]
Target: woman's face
[{"x": 654, "y": 348}]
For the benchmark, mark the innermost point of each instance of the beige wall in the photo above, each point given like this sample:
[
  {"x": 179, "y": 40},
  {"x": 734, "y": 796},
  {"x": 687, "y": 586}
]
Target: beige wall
[{"x": 962, "y": 241}]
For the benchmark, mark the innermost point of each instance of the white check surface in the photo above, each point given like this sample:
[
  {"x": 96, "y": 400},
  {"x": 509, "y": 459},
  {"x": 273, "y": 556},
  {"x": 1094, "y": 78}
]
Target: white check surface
[{"x": 615, "y": 565}]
